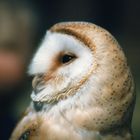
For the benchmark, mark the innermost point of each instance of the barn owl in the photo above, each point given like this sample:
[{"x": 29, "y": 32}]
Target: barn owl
[{"x": 82, "y": 87}]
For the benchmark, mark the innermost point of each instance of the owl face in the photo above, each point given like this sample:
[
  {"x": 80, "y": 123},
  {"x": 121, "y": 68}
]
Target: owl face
[{"x": 59, "y": 66}]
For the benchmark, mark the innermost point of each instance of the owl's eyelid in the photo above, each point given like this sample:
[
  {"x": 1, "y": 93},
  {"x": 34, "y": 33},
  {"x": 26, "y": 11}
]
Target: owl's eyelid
[{"x": 68, "y": 53}]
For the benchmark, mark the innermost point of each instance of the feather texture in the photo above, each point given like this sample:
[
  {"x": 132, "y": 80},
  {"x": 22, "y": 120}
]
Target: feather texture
[{"x": 83, "y": 88}]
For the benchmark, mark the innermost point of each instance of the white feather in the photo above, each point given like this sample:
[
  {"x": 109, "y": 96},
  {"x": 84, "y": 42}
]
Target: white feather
[{"x": 54, "y": 43}]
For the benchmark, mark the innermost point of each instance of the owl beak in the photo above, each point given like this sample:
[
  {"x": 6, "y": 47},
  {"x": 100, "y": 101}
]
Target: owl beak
[{"x": 38, "y": 83}]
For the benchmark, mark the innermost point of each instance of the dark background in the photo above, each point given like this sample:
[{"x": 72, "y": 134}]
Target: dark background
[{"x": 120, "y": 17}]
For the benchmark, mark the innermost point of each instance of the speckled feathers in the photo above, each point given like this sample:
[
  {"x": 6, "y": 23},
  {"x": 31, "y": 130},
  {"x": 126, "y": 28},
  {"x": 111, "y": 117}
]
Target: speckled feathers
[{"x": 84, "y": 85}]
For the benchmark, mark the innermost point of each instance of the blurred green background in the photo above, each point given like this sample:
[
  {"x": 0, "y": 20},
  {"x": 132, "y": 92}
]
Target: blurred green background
[{"x": 23, "y": 23}]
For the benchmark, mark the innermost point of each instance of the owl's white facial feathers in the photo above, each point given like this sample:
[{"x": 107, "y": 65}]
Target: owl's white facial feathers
[
  {"x": 55, "y": 43},
  {"x": 52, "y": 45}
]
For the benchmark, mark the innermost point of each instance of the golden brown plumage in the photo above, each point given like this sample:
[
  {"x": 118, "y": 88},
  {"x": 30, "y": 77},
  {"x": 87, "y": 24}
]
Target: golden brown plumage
[{"x": 96, "y": 103}]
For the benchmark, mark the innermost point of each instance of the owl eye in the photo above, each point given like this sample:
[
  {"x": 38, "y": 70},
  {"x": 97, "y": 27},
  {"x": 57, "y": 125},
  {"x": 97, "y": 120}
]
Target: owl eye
[
  {"x": 25, "y": 135},
  {"x": 67, "y": 58}
]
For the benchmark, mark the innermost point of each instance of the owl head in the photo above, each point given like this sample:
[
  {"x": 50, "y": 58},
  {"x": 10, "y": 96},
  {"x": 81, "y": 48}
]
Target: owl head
[{"x": 81, "y": 65}]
